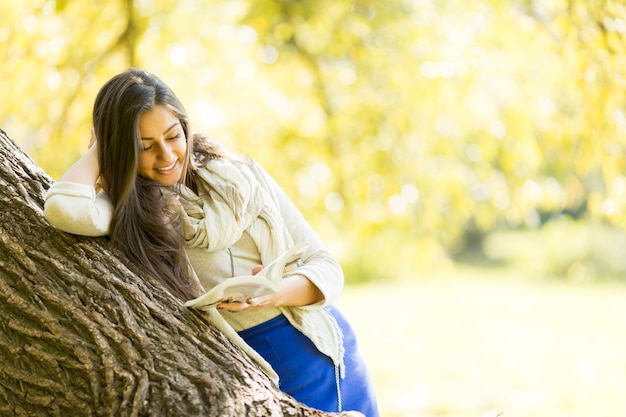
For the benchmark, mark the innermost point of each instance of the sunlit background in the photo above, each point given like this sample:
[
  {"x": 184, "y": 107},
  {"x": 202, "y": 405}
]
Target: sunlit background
[{"x": 464, "y": 160}]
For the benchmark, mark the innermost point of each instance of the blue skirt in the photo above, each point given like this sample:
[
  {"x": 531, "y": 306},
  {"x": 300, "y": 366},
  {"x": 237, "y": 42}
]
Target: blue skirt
[{"x": 310, "y": 376}]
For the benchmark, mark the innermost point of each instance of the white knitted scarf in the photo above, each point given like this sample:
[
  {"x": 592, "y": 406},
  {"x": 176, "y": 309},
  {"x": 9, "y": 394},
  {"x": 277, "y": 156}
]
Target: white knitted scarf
[{"x": 229, "y": 201}]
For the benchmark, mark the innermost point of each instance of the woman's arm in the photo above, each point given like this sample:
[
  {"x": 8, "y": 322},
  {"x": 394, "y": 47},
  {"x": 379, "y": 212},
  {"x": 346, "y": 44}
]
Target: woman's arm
[
  {"x": 87, "y": 169},
  {"x": 73, "y": 205},
  {"x": 296, "y": 291},
  {"x": 319, "y": 281}
]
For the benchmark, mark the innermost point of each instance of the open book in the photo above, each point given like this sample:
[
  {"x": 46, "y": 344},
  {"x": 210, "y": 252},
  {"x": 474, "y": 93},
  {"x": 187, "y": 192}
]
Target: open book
[{"x": 239, "y": 289}]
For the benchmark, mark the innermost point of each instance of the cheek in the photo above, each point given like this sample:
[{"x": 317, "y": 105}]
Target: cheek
[
  {"x": 181, "y": 149},
  {"x": 145, "y": 163}
]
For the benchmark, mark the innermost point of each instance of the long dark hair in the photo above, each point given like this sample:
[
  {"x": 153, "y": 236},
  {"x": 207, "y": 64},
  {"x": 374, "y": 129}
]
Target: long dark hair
[{"x": 143, "y": 228}]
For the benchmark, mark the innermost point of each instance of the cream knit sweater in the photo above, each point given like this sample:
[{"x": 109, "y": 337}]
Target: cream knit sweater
[{"x": 78, "y": 209}]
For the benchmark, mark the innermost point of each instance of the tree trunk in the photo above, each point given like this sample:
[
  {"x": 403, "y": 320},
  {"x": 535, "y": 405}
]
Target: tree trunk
[{"x": 83, "y": 333}]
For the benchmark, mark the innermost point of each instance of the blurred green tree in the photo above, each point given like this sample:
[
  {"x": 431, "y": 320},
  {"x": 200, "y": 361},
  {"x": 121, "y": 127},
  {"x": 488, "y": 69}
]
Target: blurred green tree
[{"x": 405, "y": 131}]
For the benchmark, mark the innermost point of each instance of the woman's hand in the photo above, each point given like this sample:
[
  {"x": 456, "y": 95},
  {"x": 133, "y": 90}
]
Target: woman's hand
[{"x": 93, "y": 140}]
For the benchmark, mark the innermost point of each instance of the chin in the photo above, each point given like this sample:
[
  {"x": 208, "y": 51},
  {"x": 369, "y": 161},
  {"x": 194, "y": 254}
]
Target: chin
[{"x": 170, "y": 181}]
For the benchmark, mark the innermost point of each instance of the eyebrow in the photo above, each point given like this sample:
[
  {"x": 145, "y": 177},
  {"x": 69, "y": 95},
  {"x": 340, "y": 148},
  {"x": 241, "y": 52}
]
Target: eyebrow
[{"x": 166, "y": 130}]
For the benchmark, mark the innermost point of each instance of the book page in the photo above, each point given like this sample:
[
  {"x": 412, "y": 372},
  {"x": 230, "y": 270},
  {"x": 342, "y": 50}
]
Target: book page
[
  {"x": 239, "y": 289},
  {"x": 284, "y": 263}
]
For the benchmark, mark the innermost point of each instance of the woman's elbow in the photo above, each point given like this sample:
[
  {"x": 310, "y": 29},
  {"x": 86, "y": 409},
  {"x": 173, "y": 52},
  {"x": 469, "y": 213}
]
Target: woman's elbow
[{"x": 75, "y": 220}]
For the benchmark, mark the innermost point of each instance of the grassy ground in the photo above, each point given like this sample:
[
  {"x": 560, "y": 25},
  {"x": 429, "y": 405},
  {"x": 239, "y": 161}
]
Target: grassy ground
[{"x": 487, "y": 346}]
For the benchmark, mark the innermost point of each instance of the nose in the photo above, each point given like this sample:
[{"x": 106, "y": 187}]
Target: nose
[{"x": 165, "y": 152}]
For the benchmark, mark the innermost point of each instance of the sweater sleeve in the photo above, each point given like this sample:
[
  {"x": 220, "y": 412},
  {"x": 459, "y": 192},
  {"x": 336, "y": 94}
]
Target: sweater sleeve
[
  {"x": 320, "y": 266},
  {"x": 78, "y": 209}
]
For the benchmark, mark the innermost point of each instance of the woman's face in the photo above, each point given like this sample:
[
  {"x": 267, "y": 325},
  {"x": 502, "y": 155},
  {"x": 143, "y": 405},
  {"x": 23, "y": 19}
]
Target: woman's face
[{"x": 164, "y": 146}]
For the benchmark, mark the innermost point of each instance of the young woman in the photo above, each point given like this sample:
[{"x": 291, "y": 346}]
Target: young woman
[{"x": 191, "y": 213}]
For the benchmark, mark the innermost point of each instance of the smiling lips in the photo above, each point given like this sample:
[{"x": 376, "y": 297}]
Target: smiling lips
[{"x": 167, "y": 168}]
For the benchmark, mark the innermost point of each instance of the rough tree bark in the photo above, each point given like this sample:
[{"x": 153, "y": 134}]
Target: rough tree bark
[{"x": 83, "y": 333}]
